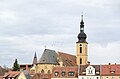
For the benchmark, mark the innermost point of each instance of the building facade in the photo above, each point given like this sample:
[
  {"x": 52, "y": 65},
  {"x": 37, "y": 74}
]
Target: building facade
[{"x": 89, "y": 72}]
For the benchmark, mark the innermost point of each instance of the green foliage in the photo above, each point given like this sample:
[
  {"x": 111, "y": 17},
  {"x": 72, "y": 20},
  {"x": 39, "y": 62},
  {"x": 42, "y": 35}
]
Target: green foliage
[{"x": 16, "y": 66}]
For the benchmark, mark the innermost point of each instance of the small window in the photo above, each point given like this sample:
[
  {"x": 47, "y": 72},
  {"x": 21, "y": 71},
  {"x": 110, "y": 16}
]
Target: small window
[
  {"x": 80, "y": 45},
  {"x": 63, "y": 73},
  {"x": 106, "y": 77},
  {"x": 112, "y": 77},
  {"x": 48, "y": 71},
  {"x": 56, "y": 73},
  {"x": 97, "y": 77},
  {"x": 71, "y": 73}
]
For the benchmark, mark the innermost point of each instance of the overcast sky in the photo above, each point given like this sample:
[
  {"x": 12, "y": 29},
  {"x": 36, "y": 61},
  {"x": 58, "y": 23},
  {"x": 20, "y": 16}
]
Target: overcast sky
[{"x": 27, "y": 26}]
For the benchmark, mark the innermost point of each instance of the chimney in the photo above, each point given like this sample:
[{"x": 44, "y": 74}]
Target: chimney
[
  {"x": 109, "y": 65},
  {"x": 26, "y": 66},
  {"x": 88, "y": 63}
]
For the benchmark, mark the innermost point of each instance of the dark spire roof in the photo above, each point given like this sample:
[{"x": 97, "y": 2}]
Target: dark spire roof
[
  {"x": 82, "y": 36},
  {"x": 48, "y": 57},
  {"x": 35, "y": 59},
  {"x": 35, "y": 56}
]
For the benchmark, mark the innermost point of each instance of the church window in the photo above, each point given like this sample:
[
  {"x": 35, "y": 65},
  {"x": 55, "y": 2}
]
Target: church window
[
  {"x": 80, "y": 60},
  {"x": 80, "y": 45},
  {"x": 48, "y": 71},
  {"x": 80, "y": 49},
  {"x": 42, "y": 71}
]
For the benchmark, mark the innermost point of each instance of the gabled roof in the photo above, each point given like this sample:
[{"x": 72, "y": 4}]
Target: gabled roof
[
  {"x": 82, "y": 69},
  {"x": 48, "y": 57},
  {"x": 66, "y": 69},
  {"x": 111, "y": 69},
  {"x": 67, "y": 59},
  {"x": 11, "y": 74}
]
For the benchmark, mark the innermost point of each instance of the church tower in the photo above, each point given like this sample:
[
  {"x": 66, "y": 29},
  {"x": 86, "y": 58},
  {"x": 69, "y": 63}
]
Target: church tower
[{"x": 81, "y": 46}]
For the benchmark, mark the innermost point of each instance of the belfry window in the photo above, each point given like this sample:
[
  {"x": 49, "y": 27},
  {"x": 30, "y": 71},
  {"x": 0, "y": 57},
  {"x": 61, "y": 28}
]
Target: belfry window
[
  {"x": 42, "y": 71},
  {"x": 80, "y": 49},
  {"x": 80, "y": 60}
]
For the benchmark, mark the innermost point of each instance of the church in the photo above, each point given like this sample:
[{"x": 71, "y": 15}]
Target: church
[
  {"x": 51, "y": 59},
  {"x": 60, "y": 65}
]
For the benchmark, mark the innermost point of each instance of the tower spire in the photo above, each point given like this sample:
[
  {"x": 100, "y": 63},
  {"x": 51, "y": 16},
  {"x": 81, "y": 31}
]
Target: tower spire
[
  {"x": 35, "y": 59},
  {"x": 81, "y": 46},
  {"x": 82, "y": 36}
]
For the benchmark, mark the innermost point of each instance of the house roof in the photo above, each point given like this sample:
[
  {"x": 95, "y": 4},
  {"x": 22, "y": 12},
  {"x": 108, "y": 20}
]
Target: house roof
[
  {"x": 11, "y": 74},
  {"x": 66, "y": 70},
  {"x": 48, "y": 57},
  {"x": 111, "y": 69},
  {"x": 2, "y": 71},
  {"x": 82, "y": 69},
  {"x": 67, "y": 59}
]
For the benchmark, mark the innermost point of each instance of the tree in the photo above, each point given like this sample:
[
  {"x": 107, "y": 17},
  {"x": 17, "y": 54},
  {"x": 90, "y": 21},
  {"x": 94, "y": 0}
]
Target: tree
[{"x": 16, "y": 66}]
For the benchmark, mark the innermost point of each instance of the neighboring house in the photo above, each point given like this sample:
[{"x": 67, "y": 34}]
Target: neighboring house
[
  {"x": 24, "y": 75},
  {"x": 65, "y": 72},
  {"x": 11, "y": 75},
  {"x": 89, "y": 72},
  {"x": 110, "y": 71}
]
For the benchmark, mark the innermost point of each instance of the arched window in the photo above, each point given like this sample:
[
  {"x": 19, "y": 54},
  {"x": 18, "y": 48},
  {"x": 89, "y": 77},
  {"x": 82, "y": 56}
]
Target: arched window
[
  {"x": 42, "y": 71},
  {"x": 80, "y": 48},
  {"x": 80, "y": 60},
  {"x": 48, "y": 71}
]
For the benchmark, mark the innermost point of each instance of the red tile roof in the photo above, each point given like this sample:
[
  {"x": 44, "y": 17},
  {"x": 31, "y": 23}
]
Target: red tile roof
[
  {"x": 68, "y": 59},
  {"x": 66, "y": 70},
  {"x": 111, "y": 69},
  {"x": 11, "y": 74}
]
